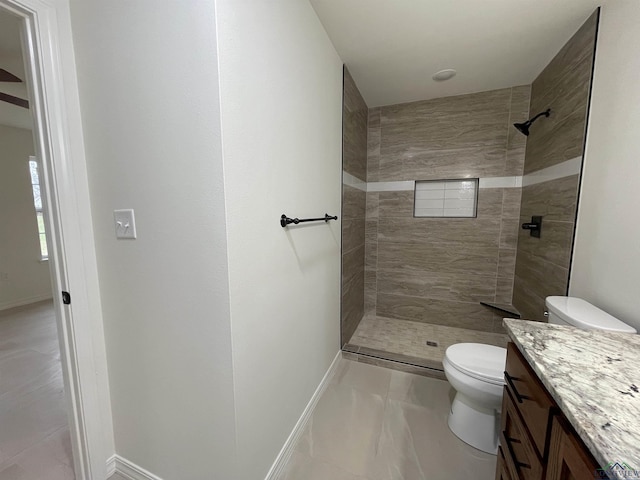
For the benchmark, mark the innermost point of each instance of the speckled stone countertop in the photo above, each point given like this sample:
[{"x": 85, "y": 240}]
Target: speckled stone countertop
[{"x": 594, "y": 377}]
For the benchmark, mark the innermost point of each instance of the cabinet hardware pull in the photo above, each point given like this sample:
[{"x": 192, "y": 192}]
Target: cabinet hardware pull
[
  {"x": 510, "y": 381},
  {"x": 512, "y": 454}
]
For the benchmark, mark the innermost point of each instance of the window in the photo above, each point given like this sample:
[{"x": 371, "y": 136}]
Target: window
[
  {"x": 37, "y": 202},
  {"x": 446, "y": 198}
]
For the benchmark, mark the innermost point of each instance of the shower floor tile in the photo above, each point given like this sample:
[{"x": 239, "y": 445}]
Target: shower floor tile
[{"x": 406, "y": 341}]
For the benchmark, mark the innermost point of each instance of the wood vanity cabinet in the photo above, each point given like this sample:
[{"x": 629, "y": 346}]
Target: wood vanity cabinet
[{"x": 536, "y": 441}]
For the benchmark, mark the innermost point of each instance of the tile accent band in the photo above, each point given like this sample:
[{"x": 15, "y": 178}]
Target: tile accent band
[
  {"x": 561, "y": 170},
  {"x": 352, "y": 181}
]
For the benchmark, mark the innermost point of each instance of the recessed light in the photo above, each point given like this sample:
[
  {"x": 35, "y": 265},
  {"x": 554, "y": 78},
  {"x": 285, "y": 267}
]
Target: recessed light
[{"x": 444, "y": 75}]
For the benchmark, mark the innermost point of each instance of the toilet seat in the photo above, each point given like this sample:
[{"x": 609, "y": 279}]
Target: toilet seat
[{"x": 479, "y": 361}]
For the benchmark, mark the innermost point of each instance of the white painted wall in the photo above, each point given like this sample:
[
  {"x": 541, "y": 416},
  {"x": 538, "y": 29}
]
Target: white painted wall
[
  {"x": 281, "y": 89},
  {"x": 150, "y": 110},
  {"x": 24, "y": 278},
  {"x": 606, "y": 263}
]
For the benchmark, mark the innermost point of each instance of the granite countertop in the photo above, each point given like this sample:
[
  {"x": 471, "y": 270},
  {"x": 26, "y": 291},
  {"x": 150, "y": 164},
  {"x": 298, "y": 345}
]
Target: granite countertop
[{"x": 594, "y": 377}]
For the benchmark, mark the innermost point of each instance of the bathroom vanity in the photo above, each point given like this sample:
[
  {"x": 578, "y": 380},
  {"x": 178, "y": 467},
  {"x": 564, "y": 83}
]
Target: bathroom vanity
[{"x": 571, "y": 406}]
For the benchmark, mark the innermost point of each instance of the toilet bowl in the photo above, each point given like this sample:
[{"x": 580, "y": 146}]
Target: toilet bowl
[{"x": 476, "y": 372}]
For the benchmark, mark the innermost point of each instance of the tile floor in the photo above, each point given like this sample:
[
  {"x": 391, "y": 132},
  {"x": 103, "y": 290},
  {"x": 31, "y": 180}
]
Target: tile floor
[
  {"x": 34, "y": 436},
  {"x": 406, "y": 341},
  {"x": 373, "y": 423}
]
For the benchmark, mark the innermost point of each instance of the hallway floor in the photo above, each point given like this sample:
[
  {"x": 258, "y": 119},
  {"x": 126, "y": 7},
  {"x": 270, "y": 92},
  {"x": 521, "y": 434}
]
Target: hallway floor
[
  {"x": 406, "y": 341},
  {"x": 34, "y": 435},
  {"x": 372, "y": 423}
]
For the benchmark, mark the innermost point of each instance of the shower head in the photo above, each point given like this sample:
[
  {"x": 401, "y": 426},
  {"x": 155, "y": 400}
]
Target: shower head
[{"x": 524, "y": 127}]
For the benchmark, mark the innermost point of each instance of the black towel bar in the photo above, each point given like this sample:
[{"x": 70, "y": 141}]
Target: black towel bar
[{"x": 284, "y": 220}]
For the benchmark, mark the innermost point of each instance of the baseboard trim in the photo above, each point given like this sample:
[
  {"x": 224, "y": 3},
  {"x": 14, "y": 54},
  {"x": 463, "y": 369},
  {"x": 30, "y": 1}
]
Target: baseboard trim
[
  {"x": 25, "y": 301},
  {"x": 287, "y": 450},
  {"x": 128, "y": 469}
]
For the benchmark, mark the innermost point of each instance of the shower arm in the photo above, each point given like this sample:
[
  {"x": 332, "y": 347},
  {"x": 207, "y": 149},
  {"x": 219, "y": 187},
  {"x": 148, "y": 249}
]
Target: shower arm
[{"x": 546, "y": 113}]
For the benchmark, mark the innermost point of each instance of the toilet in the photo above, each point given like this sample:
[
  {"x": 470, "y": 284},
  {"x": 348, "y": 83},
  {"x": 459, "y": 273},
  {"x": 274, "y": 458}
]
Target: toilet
[
  {"x": 476, "y": 372},
  {"x": 581, "y": 314}
]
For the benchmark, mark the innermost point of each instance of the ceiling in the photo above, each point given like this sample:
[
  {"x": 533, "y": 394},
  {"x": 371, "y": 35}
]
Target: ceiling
[
  {"x": 11, "y": 60},
  {"x": 393, "y": 47}
]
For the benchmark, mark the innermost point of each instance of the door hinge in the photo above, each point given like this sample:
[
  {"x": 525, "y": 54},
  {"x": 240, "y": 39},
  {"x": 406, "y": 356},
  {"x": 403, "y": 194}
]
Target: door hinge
[{"x": 66, "y": 298}]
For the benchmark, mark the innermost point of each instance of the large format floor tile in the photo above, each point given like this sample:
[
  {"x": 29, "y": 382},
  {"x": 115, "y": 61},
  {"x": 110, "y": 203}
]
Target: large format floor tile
[
  {"x": 378, "y": 424},
  {"x": 34, "y": 434}
]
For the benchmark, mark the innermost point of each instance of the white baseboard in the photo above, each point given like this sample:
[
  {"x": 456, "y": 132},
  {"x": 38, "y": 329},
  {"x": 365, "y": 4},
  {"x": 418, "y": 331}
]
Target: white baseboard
[
  {"x": 131, "y": 471},
  {"x": 25, "y": 301},
  {"x": 128, "y": 470},
  {"x": 285, "y": 454}
]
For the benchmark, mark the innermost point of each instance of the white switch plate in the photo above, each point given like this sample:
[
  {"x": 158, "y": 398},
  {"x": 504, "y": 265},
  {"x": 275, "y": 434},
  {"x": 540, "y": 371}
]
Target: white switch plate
[{"x": 125, "y": 223}]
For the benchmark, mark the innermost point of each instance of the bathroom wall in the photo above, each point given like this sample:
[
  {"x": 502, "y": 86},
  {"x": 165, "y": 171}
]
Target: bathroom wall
[
  {"x": 606, "y": 263},
  {"x": 354, "y": 166},
  {"x": 552, "y": 172},
  {"x": 281, "y": 110},
  {"x": 165, "y": 295},
  {"x": 437, "y": 270}
]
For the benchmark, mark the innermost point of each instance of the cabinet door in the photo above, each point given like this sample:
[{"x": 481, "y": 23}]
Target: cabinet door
[
  {"x": 501, "y": 468},
  {"x": 568, "y": 457}
]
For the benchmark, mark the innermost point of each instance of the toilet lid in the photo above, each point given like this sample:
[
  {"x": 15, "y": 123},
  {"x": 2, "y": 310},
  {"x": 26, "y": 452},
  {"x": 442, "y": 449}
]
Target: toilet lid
[{"x": 484, "y": 362}]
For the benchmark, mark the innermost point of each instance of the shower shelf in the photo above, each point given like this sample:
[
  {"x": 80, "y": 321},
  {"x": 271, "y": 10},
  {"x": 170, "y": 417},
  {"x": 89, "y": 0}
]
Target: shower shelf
[{"x": 503, "y": 307}]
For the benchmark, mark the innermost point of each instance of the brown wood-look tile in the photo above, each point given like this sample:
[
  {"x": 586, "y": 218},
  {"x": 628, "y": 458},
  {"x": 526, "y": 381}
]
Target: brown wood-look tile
[
  {"x": 440, "y": 312},
  {"x": 435, "y": 164},
  {"x": 371, "y": 256},
  {"x": 504, "y": 290},
  {"x": 537, "y": 275},
  {"x": 395, "y": 204},
  {"x": 373, "y": 145},
  {"x": 515, "y": 160},
  {"x": 516, "y": 142},
  {"x": 353, "y": 202},
  {"x": 569, "y": 95},
  {"x": 438, "y": 285},
  {"x": 372, "y": 205},
  {"x": 490, "y": 203},
  {"x": 454, "y": 231},
  {"x": 511, "y": 199},
  {"x": 352, "y": 234},
  {"x": 509, "y": 232},
  {"x": 506, "y": 262},
  {"x": 570, "y": 56},
  {"x": 371, "y": 231},
  {"x": 414, "y": 134},
  {"x": 438, "y": 257},
  {"x": 530, "y": 305},
  {"x": 563, "y": 143},
  {"x": 352, "y": 306},
  {"x": 352, "y": 264},
  {"x": 554, "y": 244},
  {"x": 354, "y": 130},
  {"x": 554, "y": 200},
  {"x": 370, "y": 295}
]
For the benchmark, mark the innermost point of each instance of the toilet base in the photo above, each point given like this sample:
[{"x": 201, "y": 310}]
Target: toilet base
[{"x": 474, "y": 424}]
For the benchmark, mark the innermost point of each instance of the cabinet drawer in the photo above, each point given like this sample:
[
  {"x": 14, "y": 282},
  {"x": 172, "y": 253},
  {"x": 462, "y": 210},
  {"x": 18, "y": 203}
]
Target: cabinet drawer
[
  {"x": 530, "y": 398},
  {"x": 501, "y": 468},
  {"x": 519, "y": 454}
]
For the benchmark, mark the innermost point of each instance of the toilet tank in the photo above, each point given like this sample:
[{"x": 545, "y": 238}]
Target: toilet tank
[{"x": 581, "y": 314}]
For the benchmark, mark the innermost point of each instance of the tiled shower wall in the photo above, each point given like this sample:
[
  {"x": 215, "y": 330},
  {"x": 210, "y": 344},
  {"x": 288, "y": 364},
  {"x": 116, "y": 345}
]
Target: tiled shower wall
[
  {"x": 542, "y": 265},
  {"x": 354, "y": 163},
  {"x": 437, "y": 270}
]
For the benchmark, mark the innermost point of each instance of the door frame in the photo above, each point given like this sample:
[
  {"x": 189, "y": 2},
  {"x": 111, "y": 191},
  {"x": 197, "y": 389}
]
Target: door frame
[{"x": 57, "y": 128}]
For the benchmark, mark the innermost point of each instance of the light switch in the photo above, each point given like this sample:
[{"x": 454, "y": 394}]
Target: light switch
[{"x": 125, "y": 223}]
